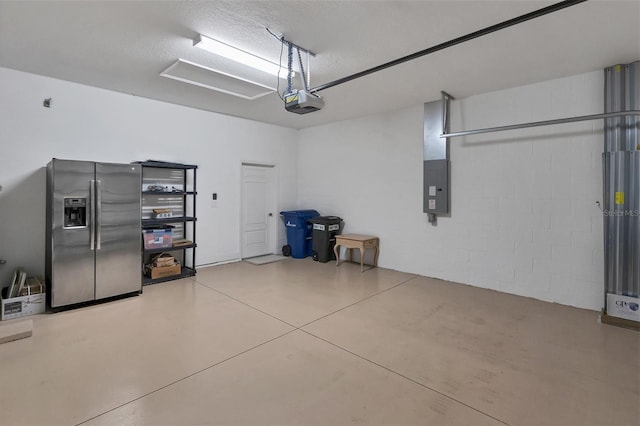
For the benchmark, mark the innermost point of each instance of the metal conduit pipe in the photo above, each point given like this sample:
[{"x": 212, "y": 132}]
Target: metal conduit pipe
[{"x": 542, "y": 123}]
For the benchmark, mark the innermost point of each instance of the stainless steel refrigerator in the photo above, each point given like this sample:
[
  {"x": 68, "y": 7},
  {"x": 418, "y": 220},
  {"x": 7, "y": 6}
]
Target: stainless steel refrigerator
[{"x": 93, "y": 231}]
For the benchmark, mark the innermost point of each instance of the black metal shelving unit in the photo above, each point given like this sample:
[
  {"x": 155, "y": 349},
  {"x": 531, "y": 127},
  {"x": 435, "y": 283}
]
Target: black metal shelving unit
[
  {"x": 175, "y": 186},
  {"x": 149, "y": 223}
]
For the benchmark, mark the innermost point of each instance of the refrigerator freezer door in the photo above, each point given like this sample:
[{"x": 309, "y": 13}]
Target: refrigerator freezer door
[
  {"x": 118, "y": 231},
  {"x": 70, "y": 269}
]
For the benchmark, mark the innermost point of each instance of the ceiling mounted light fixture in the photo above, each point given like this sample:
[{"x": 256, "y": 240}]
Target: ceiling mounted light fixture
[
  {"x": 209, "y": 78},
  {"x": 238, "y": 55}
]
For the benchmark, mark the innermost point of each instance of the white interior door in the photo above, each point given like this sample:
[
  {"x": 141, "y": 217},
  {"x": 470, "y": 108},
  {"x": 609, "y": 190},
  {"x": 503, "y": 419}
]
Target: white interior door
[{"x": 258, "y": 202}]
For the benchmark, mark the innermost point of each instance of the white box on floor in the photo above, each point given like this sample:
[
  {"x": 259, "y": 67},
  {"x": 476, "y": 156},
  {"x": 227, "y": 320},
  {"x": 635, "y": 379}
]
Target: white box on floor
[
  {"x": 16, "y": 307},
  {"x": 626, "y": 307}
]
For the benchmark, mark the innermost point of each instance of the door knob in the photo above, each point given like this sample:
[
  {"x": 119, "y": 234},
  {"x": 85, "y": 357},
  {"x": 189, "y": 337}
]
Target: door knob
[{"x": 270, "y": 214}]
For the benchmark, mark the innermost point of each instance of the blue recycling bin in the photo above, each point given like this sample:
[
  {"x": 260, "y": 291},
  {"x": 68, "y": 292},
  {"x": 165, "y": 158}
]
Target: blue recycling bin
[{"x": 299, "y": 233}]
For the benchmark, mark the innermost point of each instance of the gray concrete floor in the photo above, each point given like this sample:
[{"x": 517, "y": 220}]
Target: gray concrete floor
[{"x": 300, "y": 342}]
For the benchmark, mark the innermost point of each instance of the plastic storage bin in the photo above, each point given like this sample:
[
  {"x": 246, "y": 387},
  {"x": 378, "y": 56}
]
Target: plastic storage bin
[
  {"x": 325, "y": 229},
  {"x": 299, "y": 233},
  {"x": 160, "y": 237}
]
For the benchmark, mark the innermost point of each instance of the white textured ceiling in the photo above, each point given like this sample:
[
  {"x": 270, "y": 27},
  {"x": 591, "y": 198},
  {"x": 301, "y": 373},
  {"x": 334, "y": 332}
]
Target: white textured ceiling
[{"x": 125, "y": 45}]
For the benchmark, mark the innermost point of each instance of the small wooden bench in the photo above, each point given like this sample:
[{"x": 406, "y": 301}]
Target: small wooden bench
[{"x": 361, "y": 242}]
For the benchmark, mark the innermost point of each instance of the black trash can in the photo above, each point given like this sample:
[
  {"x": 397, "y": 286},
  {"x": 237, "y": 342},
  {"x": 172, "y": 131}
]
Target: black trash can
[{"x": 325, "y": 229}]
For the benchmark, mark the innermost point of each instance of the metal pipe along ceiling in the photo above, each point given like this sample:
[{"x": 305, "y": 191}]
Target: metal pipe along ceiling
[
  {"x": 487, "y": 30},
  {"x": 605, "y": 116}
]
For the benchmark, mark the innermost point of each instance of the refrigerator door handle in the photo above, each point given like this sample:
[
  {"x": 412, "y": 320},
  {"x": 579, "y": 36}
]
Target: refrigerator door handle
[
  {"x": 99, "y": 215},
  {"x": 92, "y": 200}
]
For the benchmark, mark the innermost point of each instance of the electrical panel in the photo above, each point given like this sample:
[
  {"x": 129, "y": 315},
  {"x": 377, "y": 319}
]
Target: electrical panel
[
  {"x": 436, "y": 159},
  {"x": 436, "y": 187}
]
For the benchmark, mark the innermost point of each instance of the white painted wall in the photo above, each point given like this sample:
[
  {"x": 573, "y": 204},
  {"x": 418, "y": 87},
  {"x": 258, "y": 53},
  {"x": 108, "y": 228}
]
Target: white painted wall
[
  {"x": 86, "y": 123},
  {"x": 524, "y": 219}
]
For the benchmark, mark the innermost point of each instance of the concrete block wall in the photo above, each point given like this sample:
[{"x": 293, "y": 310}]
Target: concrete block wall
[
  {"x": 523, "y": 218},
  {"x": 549, "y": 232}
]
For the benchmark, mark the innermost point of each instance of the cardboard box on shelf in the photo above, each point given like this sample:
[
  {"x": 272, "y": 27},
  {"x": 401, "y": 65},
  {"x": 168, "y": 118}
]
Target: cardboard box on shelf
[
  {"x": 181, "y": 242},
  {"x": 154, "y": 272},
  {"x": 163, "y": 259},
  {"x": 162, "y": 213}
]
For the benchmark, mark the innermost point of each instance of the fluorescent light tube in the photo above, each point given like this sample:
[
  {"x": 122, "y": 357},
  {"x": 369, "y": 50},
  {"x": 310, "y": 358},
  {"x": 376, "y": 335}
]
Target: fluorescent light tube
[{"x": 240, "y": 56}]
